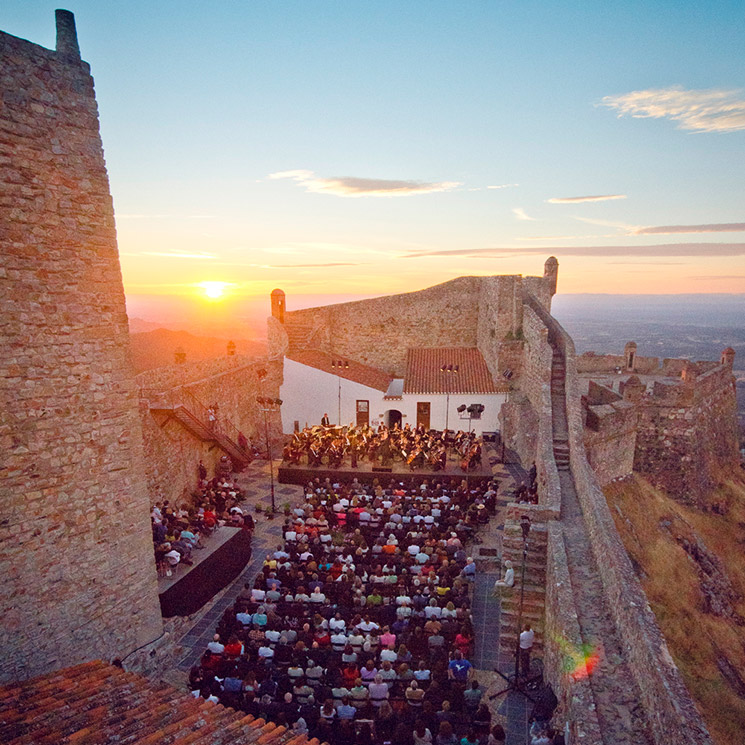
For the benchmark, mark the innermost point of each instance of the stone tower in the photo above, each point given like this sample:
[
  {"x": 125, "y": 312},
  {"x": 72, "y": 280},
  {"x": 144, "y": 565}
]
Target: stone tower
[
  {"x": 278, "y": 305},
  {"x": 78, "y": 575},
  {"x": 551, "y": 273}
]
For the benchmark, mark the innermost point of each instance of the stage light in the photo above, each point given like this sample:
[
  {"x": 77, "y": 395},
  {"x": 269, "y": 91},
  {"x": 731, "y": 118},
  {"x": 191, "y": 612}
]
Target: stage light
[
  {"x": 461, "y": 408},
  {"x": 525, "y": 526}
]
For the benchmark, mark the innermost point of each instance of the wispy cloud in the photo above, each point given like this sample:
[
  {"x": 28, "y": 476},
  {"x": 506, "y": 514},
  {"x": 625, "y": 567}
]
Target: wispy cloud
[
  {"x": 719, "y": 227},
  {"x": 625, "y": 227},
  {"x": 296, "y": 175},
  {"x": 304, "y": 266},
  {"x": 354, "y": 186},
  {"x": 663, "y": 250},
  {"x": 720, "y": 276},
  {"x": 144, "y": 216},
  {"x": 174, "y": 255},
  {"x": 502, "y": 186},
  {"x": 520, "y": 214},
  {"x": 710, "y": 110},
  {"x": 593, "y": 198}
]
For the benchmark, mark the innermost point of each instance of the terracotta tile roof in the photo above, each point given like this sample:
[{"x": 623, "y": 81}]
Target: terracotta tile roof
[
  {"x": 356, "y": 372},
  {"x": 97, "y": 703},
  {"x": 424, "y": 371}
]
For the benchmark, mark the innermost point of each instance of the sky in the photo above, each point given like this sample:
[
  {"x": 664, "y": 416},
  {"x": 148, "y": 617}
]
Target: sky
[{"x": 369, "y": 148}]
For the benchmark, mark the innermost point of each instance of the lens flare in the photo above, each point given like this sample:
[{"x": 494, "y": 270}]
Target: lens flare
[{"x": 578, "y": 661}]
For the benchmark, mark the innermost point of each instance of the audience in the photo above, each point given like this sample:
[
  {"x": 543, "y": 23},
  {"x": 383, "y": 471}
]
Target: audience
[{"x": 358, "y": 627}]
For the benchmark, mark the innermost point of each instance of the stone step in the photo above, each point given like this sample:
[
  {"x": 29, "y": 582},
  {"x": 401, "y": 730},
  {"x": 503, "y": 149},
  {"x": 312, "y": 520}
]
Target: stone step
[{"x": 512, "y": 601}]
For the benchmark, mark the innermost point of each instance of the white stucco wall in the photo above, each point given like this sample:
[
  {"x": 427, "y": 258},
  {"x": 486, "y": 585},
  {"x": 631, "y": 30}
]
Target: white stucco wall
[
  {"x": 489, "y": 421},
  {"x": 307, "y": 393}
]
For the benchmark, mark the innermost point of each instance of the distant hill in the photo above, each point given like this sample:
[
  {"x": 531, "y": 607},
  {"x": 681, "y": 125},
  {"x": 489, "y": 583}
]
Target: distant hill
[
  {"x": 156, "y": 348},
  {"x": 138, "y": 325}
]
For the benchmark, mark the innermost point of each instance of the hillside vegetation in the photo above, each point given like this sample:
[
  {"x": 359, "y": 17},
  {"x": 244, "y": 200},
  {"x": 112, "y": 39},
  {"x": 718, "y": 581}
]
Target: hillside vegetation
[{"x": 692, "y": 569}]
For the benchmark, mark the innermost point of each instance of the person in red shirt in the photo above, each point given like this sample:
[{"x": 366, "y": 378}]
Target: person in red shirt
[{"x": 233, "y": 648}]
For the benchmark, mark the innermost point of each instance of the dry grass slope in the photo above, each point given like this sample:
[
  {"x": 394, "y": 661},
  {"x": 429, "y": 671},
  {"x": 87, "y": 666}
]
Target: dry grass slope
[{"x": 709, "y": 649}]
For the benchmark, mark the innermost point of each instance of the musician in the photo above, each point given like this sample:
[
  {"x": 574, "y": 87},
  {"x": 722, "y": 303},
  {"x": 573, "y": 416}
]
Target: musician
[{"x": 325, "y": 421}]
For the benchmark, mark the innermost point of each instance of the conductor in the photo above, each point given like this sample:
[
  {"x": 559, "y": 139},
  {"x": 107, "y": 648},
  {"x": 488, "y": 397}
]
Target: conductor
[{"x": 325, "y": 422}]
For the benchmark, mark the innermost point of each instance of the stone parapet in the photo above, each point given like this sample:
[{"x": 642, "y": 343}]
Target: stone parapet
[{"x": 564, "y": 667}]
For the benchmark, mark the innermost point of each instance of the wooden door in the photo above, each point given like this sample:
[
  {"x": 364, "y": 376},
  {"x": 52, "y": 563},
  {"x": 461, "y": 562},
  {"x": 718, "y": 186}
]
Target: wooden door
[
  {"x": 422, "y": 414},
  {"x": 363, "y": 413}
]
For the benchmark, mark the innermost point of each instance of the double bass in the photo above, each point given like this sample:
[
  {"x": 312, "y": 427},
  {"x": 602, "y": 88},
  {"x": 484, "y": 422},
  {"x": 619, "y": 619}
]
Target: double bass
[{"x": 471, "y": 458}]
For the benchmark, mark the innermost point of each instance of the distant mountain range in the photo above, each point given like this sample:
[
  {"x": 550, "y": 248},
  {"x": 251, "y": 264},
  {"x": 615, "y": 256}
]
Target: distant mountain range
[{"x": 154, "y": 346}]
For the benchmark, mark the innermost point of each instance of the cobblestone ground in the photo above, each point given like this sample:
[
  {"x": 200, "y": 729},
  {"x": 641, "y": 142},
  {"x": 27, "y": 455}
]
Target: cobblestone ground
[{"x": 616, "y": 695}]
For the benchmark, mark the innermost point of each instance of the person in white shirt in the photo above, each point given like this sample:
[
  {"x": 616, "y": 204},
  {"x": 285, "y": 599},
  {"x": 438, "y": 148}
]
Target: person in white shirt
[
  {"x": 214, "y": 646},
  {"x": 317, "y": 596},
  {"x": 337, "y": 623},
  {"x": 527, "y": 637},
  {"x": 509, "y": 576}
]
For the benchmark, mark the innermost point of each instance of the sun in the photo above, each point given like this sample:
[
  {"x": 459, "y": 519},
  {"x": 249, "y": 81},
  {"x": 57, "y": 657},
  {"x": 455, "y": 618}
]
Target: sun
[{"x": 214, "y": 290}]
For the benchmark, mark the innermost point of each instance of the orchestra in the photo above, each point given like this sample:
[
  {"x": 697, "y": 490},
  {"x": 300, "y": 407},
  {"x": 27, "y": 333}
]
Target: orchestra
[{"x": 416, "y": 447}]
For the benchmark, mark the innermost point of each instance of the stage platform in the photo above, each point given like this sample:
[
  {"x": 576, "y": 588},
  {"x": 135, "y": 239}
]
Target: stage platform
[
  {"x": 367, "y": 472},
  {"x": 226, "y": 553}
]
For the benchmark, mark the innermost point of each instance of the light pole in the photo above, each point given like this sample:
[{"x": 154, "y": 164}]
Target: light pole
[
  {"x": 339, "y": 365},
  {"x": 267, "y": 405},
  {"x": 448, "y": 371}
]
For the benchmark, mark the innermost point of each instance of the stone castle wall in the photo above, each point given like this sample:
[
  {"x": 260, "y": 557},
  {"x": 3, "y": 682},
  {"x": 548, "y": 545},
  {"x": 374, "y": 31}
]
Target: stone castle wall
[
  {"x": 172, "y": 452},
  {"x": 687, "y": 435},
  {"x": 681, "y": 435},
  {"x": 74, "y": 515},
  {"x": 610, "y": 433},
  {"x": 378, "y": 331},
  {"x": 464, "y": 312}
]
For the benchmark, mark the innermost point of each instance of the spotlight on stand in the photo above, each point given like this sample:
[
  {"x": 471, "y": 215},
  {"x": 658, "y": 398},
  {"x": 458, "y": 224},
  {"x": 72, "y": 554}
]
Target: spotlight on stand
[
  {"x": 461, "y": 408},
  {"x": 525, "y": 526}
]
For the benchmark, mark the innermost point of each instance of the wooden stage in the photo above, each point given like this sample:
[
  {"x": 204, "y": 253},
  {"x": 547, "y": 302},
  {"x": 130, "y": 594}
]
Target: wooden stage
[{"x": 367, "y": 472}]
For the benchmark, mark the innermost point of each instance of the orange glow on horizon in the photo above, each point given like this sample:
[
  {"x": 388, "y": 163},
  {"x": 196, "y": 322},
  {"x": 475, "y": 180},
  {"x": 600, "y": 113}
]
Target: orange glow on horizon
[{"x": 214, "y": 290}]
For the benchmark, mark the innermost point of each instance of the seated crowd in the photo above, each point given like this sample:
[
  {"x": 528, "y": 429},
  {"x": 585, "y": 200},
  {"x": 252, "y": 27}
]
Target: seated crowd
[
  {"x": 178, "y": 531},
  {"x": 358, "y": 629}
]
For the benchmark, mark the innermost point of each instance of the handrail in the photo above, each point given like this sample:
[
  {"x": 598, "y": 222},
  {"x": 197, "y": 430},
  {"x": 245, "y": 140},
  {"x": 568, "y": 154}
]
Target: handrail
[{"x": 220, "y": 425}]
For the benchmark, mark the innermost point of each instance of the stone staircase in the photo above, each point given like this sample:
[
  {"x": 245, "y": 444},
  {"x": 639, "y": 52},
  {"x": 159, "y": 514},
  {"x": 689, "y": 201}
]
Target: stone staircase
[
  {"x": 533, "y": 592},
  {"x": 199, "y": 426},
  {"x": 558, "y": 406}
]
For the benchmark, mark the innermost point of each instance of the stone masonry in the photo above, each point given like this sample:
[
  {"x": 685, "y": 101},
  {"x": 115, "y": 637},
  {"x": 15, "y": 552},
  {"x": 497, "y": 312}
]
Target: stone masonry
[{"x": 79, "y": 580}]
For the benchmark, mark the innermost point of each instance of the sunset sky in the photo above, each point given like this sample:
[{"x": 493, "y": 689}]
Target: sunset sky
[{"x": 369, "y": 148}]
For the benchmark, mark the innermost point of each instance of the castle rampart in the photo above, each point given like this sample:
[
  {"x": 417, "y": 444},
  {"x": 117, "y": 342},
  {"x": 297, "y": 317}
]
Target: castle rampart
[
  {"x": 669, "y": 710},
  {"x": 74, "y": 513},
  {"x": 681, "y": 432}
]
